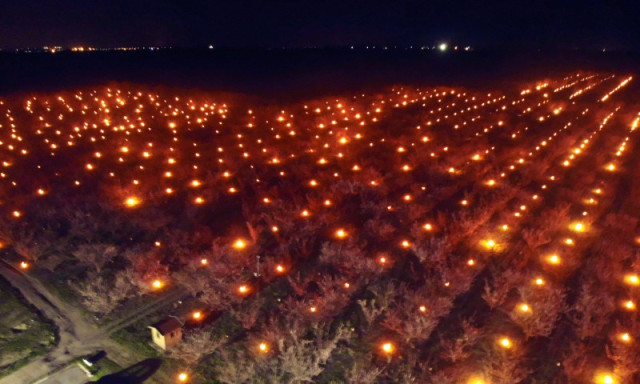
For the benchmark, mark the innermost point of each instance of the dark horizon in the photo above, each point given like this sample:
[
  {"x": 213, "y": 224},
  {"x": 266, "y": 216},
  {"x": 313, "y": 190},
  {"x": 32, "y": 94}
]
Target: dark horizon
[{"x": 297, "y": 73}]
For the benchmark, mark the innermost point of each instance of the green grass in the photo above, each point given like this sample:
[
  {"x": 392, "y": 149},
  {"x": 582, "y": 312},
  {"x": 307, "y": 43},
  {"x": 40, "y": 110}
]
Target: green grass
[
  {"x": 24, "y": 332},
  {"x": 137, "y": 340}
]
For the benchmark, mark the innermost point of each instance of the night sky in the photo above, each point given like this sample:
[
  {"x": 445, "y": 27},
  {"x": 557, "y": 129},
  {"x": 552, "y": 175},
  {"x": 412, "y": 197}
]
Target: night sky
[{"x": 305, "y": 23}]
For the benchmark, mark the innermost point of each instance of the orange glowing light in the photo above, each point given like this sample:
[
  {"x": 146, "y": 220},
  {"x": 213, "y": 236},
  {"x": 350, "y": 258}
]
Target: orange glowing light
[
  {"x": 239, "y": 244},
  {"x": 157, "y": 284},
  {"x": 196, "y": 315},
  {"x": 204, "y": 261},
  {"x": 183, "y": 377},
  {"x": 489, "y": 243},
  {"x": 279, "y": 268},
  {"x": 263, "y": 347},
  {"x": 505, "y": 343},
  {"x": 578, "y": 227},
  {"x": 629, "y": 305},
  {"x": 341, "y": 234},
  {"x": 604, "y": 378},
  {"x": 632, "y": 279},
  {"x": 387, "y": 348},
  {"x": 553, "y": 259},
  {"x": 24, "y": 265},
  {"x": 132, "y": 202},
  {"x": 624, "y": 337},
  {"x": 243, "y": 289}
]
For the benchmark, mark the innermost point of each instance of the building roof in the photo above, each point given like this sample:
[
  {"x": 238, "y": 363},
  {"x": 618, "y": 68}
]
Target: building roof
[{"x": 168, "y": 324}]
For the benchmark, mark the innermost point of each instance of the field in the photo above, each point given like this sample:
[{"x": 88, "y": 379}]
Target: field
[
  {"x": 24, "y": 333},
  {"x": 405, "y": 235}
]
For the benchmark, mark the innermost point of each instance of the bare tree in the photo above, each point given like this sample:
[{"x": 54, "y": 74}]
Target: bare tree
[
  {"x": 494, "y": 296},
  {"x": 414, "y": 328},
  {"x": 362, "y": 371},
  {"x": 95, "y": 296},
  {"x": 248, "y": 314},
  {"x": 195, "y": 345},
  {"x": 576, "y": 362},
  {"x": 591, "y": 312},
  {"x": 535, "y": 237},
  {"x": 503, "y": 280},
  {"x": 299, "y": 359},
  {"x": 625, "y": 355},
  {"x": 371, "y": 309},
  {"x": 547, "y": 303},
  {"x": 459, "y": 348},
  {"x": 95, "y": 255},
  {"x": 503, "y": 367},
  {"x": 235, "y": 367},
  {"x": 433, "y": 250},
  {"x": 32, "y": 244},
  {"x": 101, "y": 295}
]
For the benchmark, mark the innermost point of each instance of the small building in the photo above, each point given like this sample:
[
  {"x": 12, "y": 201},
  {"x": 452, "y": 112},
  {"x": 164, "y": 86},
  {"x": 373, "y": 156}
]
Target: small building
[{"x": 167, "y": 332}]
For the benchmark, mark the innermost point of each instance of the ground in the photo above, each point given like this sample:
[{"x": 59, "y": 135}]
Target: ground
[{"x": 70, "y": 375}]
